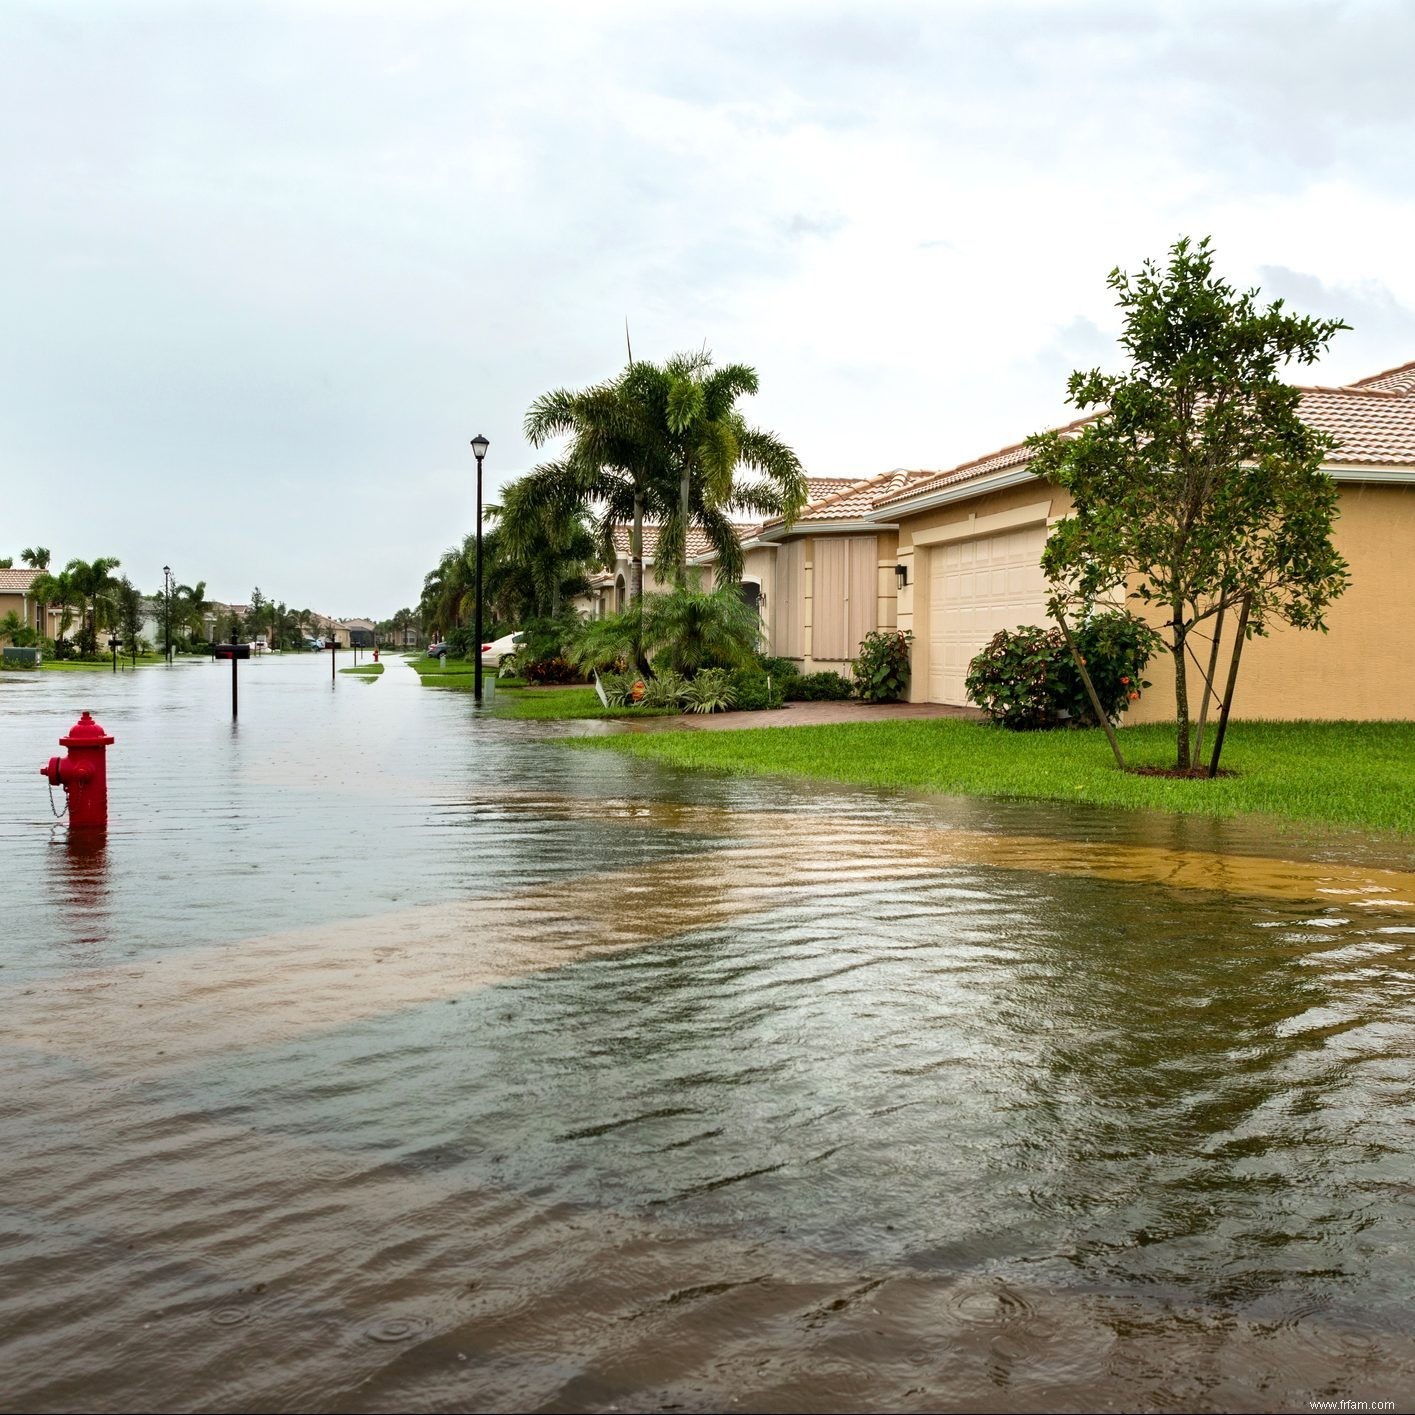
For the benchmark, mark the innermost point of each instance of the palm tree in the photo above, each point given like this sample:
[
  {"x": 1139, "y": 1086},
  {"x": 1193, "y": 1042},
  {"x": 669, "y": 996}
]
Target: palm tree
[
  {"x": 56, "y": 590},
  {"x": 687, "y": 414},
  {"x": 610, "y": 462},
  {"x": 189, "y": 609},
  {"x": 536, "y": 551},
  {"x": 37, "y": 557},
  {"x": 92, "y": 582}
]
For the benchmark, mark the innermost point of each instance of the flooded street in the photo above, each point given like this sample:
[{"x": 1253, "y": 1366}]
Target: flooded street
[{"x": 389, "y": 1056}]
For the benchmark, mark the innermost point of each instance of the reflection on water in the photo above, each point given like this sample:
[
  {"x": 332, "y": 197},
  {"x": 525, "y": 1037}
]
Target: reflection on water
[{"x": 391, "y": 1058}]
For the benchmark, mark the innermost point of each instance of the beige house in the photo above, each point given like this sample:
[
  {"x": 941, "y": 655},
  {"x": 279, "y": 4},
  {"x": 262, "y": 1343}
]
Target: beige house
[
  {"x": 609, "y": 588},
  {"x": 829, "y": 578},
  {"x": 17, "y": 597},
  {"x": 969, "y": 544}
]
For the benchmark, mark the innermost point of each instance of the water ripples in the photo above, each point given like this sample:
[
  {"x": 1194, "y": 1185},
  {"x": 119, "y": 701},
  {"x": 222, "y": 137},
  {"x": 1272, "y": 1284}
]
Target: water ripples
[{"x": 467, "y": 1071}]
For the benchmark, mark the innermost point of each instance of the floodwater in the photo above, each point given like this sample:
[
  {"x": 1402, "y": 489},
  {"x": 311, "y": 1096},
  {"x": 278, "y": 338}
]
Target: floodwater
[{"x": 475, "y": 1072}]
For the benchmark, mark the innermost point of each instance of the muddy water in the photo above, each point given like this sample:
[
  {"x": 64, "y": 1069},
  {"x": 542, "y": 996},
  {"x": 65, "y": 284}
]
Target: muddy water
[{"x": 388, "y": 1057}]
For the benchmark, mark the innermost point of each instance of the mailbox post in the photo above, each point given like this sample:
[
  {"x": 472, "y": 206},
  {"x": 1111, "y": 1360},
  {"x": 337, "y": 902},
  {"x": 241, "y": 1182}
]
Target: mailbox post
[
  {"x": 333, "y": 650},
  {"x": 233, "y": 651}
]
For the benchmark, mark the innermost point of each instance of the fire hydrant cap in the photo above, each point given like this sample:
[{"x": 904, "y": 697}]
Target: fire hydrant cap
[{"x": 86, "y": 733}]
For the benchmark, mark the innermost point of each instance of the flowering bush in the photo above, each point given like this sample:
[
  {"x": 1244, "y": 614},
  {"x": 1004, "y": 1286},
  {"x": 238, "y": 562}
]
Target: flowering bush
[{"x": 1026, "y": 678}]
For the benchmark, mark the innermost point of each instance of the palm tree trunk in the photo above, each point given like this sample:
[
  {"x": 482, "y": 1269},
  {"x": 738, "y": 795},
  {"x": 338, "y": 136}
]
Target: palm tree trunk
[
  {"x": 636, "y": 551},
  {"x": 685, "y": 486}
]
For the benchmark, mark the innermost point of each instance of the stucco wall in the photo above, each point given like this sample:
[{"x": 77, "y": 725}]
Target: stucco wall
[{"x": 1363, "y": 667}]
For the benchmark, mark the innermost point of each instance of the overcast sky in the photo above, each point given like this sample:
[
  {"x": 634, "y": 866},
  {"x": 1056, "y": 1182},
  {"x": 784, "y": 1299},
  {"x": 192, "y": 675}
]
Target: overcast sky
[{"x": 266, "y": 269}]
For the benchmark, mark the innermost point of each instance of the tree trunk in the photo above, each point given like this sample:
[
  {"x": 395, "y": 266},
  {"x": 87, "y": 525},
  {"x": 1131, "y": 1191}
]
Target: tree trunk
[
  {"x": 1181, "y": 689},
  {"x": 1232, "y": 684},
  {"x": 1090, "y": 687},
  {"x": 636, "y": 552},
  {"x": 684, "y": 489},
  {"x": 1209, "y": 693}
]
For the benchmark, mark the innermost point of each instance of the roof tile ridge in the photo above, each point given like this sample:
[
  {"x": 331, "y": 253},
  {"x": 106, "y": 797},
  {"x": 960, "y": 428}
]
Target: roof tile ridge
[{"x": 1385, "y": 373}]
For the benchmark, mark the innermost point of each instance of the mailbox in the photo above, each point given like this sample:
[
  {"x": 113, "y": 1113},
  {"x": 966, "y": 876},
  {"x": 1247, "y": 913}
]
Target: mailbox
[{"x": 230, "y": 650}]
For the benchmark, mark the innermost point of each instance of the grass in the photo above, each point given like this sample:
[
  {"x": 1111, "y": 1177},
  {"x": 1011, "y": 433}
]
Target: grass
[
  {"x": 560, "y": 704},
  {"x": 365, "y": 670},
  {"x": 86, "y": 665},
  {"x": 1334, "y": 773}
]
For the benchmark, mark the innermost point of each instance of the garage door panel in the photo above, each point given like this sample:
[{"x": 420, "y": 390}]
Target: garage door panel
[{"x": 977, "y": 587}]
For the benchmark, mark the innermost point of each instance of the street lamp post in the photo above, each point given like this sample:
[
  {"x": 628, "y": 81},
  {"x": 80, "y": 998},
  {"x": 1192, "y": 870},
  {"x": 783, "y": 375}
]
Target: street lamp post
[
  {"x": 479, "y": 446},
  {"x": 167, "y": 593}
]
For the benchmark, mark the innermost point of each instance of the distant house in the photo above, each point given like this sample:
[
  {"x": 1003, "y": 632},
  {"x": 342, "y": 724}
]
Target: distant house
[
  {"x": 609, "y": 587},
  {"x": 358, "y": 633}
]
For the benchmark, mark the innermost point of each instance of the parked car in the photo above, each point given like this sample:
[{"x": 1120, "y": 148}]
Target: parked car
[
  {"x": 504, "y": 647},
  {"x": 436, "y": 650}
]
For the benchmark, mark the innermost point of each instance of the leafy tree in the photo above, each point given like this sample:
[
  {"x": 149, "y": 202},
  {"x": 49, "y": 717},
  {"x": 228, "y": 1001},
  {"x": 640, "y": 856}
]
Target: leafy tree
[
  {"x": 1196, "y": 487},
  {"x": 128, "y": 601},
  {"x": 36, "y": 556},
  {"x": 13, "y": 629},
  {"x": 7, "y": 562}
]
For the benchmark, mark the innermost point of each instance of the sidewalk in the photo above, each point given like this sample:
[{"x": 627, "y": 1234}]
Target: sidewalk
[{"x": 794, "y": 715}]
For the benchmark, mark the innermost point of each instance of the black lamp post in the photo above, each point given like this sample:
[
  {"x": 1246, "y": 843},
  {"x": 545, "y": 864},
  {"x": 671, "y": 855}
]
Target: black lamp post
[
  {"x": 479, "y": 446},
  {"x": 167, "y": 593}
]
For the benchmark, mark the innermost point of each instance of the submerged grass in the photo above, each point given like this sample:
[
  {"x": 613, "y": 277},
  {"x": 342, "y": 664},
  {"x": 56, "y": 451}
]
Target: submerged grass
[
  {"x": 365, "y": 670},
  {"x": 1339, "y": 773}
]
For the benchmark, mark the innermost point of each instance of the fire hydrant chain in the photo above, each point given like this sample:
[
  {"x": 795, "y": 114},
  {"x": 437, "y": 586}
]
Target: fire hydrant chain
[{"x": 83, "y": 774}]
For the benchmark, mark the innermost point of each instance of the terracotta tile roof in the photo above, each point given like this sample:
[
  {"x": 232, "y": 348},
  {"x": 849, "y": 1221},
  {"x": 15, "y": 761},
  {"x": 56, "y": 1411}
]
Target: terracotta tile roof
[
  {"x": 819, "y": 488},
  {"x": 1373, "y": 421},
  {"x": 17, "y": 580},
  {"x": 1394, "y": 380},
  {"x": 698, "y": 543},
  {"x": 858, "y": 499}
]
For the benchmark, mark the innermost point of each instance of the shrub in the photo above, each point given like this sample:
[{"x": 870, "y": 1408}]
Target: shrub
[
  {"x": 611, "y": 643},
  {"x": 618, "y": 687},
  {"x": 1026, "y": 678},
  {"x": 665, "y": 689},
  {"x": 778, "y": 667},
  {"x": 691, "y": 629},
  {"x": 459, "y": 642},
  {"x": 550, "y": 670},
  {"x": 757, "y": 691},
  {"x": 826, "y": 687},
  {"x": 710, "y": 691},
  {"x": 882, "y": 668}
]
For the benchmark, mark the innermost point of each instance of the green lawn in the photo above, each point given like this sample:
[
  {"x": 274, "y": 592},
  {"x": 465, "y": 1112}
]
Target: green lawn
[
  {"x": 1338, "y": 773},
  {"x": 365, "y": 670},
  {"x": 74, "y": 665},
  {"x": 547, "y": 704}
]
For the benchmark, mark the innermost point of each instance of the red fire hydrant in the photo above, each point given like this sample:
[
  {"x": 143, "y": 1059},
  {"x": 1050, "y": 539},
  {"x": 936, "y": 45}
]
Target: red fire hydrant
[
  {"x": 375, "y": 655},
  {"x": 83, "y": 774}
]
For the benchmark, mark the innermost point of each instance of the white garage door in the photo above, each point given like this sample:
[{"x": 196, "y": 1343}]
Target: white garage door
[{"x": 977, "y": 587}]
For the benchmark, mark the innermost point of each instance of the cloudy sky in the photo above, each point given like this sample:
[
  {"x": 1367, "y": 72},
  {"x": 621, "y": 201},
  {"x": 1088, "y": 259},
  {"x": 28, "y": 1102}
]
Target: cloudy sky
[{"x": 266, "y": 268}]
